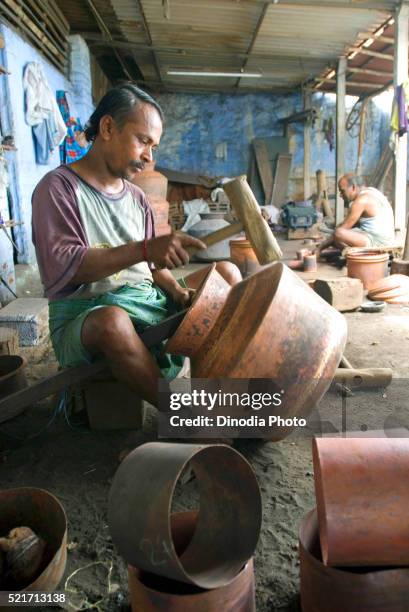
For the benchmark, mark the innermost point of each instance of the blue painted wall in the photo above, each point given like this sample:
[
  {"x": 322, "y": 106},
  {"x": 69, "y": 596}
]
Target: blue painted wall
[
  {"x": 211, "y": 134},
  {"x": 25, "y": 172}
]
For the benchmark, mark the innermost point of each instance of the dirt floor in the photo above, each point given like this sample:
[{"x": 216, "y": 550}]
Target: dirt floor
[{"x": 77, "y": 465}]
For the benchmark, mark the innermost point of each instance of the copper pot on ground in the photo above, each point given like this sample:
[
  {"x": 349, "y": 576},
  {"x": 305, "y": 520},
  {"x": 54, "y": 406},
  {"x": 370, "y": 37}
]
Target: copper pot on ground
[
  {"x": 369, "y": 266},
  {"x": 229, "y": 517},
  {"x": 274, "y": 326},
  {"x": 43, "y": 513},
  {"x": 201, "y": 316},
  {"x": 155, "y": 186},
  {"x": 150, "y": 593},
  {"x": 242, "y": 254},
  {"x": 325, "y": 589},
  {"x": 362, "y": 500}
]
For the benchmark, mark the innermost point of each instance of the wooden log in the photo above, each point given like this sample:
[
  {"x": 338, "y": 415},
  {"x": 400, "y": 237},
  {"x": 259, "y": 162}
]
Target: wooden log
[
  {"x": 322, "y": 192},
  {"x": 342, "y": 293},
  {"x": 364, "y": 378}
]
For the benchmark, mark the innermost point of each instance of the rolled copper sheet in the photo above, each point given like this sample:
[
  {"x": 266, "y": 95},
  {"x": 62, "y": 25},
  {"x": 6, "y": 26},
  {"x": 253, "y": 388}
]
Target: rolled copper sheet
[
  {"x": 362, "y": 495},
  {"x": 152, "y": 593},
  {"x": 229, "y": 518},
  {"x": 329, "y": 589}
]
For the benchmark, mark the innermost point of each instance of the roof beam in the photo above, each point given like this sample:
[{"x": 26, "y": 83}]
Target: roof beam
[
  {"x": 360, "y": 84},
  {"x": 105, "y": 31},
  {"x": 378, "y": 5},
  {"x": 149, "y": 37},
  {"x": 254, "y": 38}
]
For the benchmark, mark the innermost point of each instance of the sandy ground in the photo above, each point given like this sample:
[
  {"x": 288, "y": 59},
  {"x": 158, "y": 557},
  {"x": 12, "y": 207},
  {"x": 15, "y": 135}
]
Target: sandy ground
[{"x": 78, "y": 465}]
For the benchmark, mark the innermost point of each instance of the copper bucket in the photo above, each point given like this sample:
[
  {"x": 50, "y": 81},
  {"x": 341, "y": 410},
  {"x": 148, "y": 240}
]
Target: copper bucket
[
  {"x": 201, "y": 316},
  {"x": 150, "y": 593},
  {"x": 43, "y": 513},
  {"x": 329, "y": 589},
  {"x": 362, "y": 500},
  {"x": 274, "y": 326},
  {"x": 228, "y": 523}
]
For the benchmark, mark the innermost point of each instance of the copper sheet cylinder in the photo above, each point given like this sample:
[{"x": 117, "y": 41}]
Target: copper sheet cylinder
[
  {"x": 155, "y": 186},
  {"x": 329, "y": 589},
  {"x": 274, "y": 326},
  {"x": 229, "y": 518},
  {"x": 201, "y": 316},
  {"x": 150, "y": 593},
  {"x": 43, "y": 513},
  {"x": 362, "y": 500}
]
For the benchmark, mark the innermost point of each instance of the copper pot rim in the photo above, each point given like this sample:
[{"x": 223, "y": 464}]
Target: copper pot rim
[
  {"x": 18, "y": 359},
  {"x": 367, "y": 256}
]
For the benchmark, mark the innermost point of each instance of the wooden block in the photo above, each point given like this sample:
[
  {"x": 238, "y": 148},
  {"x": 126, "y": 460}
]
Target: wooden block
[
  {"x": 343, "y": 293},
  {"x": 9, "y": 341},
  {"x": 111, "y": 405}
]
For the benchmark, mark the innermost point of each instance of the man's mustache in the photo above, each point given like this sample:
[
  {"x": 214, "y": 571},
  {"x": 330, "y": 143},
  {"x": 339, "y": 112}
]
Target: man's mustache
[{"x": 137, "y": 165}]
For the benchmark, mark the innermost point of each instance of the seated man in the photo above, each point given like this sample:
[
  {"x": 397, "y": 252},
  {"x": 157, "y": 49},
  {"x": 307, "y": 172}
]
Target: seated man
[
  {"x": 105, "y": 273},
  {"x": 370, "y": 218}
]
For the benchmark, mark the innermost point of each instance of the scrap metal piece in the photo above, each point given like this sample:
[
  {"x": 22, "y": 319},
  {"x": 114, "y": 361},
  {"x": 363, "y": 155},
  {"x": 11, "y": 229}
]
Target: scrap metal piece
[
  {"x": 229, "y": 518},
  {"x": 362, "y": 495},
  {"x": 339, "y": 590},
  {"x": 151, "y": 593}
]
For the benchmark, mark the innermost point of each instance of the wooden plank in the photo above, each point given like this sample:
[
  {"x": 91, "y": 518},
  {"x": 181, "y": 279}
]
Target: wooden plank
[
  {"x": 401, "y": 149},
  {"x": 264, "y": 167},
  {"x": 14, "y": 404},
  {"x": 340, "y": 136},
  {"x": 307, "y": 147},
  {"x": 281, "y": 176}
]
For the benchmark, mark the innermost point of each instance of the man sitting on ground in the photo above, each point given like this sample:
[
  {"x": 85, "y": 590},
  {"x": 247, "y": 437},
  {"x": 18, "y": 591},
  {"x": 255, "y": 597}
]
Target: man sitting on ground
[{"x": 369, "y": 222}]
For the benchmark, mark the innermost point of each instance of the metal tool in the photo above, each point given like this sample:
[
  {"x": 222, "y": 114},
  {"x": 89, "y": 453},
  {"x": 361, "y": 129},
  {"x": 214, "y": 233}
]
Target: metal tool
[{"x": 5, "y": 283}]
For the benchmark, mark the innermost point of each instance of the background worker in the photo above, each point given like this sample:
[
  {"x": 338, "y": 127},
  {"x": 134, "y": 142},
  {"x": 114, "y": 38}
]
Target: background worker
[
  {"x": 370, "y": 217},
  {"x": 105, "y": 273}
]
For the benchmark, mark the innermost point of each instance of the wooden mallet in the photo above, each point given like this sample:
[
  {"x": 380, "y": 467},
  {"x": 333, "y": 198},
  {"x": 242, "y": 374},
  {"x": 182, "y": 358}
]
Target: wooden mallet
[{"x": 250, "y": 220}]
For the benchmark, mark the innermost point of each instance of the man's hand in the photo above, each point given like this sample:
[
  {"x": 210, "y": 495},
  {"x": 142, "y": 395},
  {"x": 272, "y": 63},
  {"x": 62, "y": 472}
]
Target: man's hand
[
  {"x": 169, "y": 251},
  {"x": 183, "y": 296}
]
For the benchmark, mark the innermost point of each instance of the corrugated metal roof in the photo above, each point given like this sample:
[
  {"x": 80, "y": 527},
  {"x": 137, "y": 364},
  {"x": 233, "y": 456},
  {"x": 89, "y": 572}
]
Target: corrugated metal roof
[{"x": 288, "y": 41}]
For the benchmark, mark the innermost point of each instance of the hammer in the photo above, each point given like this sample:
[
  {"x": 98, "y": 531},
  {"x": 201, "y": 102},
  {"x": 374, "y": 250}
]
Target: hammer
[{"x": 250, "y": 220}]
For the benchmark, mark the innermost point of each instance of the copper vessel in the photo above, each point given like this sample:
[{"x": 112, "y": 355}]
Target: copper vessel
[
  {"x": 242, "y": 254},
  {"x": 228, "y": 523},
  {"x": 43, "y": 513},
  {"x": 274, "y": 326},
  {"x": 152, "y": 593},
  {"x": 155, "y": 186},
  {"x": 362, "y": 500},
  {"x": 369, "y": 266},
  {"x": 329, "y": 589},
  {"x": 201, "y": 316}
]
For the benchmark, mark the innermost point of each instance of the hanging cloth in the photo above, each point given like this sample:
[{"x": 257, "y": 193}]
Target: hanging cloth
[{"x": 74, "y": 146}]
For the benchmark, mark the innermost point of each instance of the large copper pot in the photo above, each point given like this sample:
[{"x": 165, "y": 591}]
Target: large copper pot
[
  {"x": 330, "y": 589},
  {"x": 274, "y": 326},
  {"x": 362, "y": 500},
  {"x": 155, "y": 185},
  {"x": 228, "y": 523},
  {"x": 150, "y": 593}
]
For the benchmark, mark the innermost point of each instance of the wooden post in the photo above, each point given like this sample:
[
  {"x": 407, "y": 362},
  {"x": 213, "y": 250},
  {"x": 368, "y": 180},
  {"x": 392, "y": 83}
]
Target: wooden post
[
  {"x": 400, "y": 74},
  {"x": 307, "y": 147},
  {"x": 340, "y": 142}
]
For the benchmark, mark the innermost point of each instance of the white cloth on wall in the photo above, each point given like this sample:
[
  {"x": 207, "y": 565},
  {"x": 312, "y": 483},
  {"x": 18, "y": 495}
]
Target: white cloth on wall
[{"x": 40, "y": 101}]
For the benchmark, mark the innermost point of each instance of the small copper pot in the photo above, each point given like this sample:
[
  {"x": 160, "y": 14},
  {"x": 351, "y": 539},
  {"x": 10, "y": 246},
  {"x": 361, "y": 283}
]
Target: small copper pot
[{"x": 201, "y": 316}]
